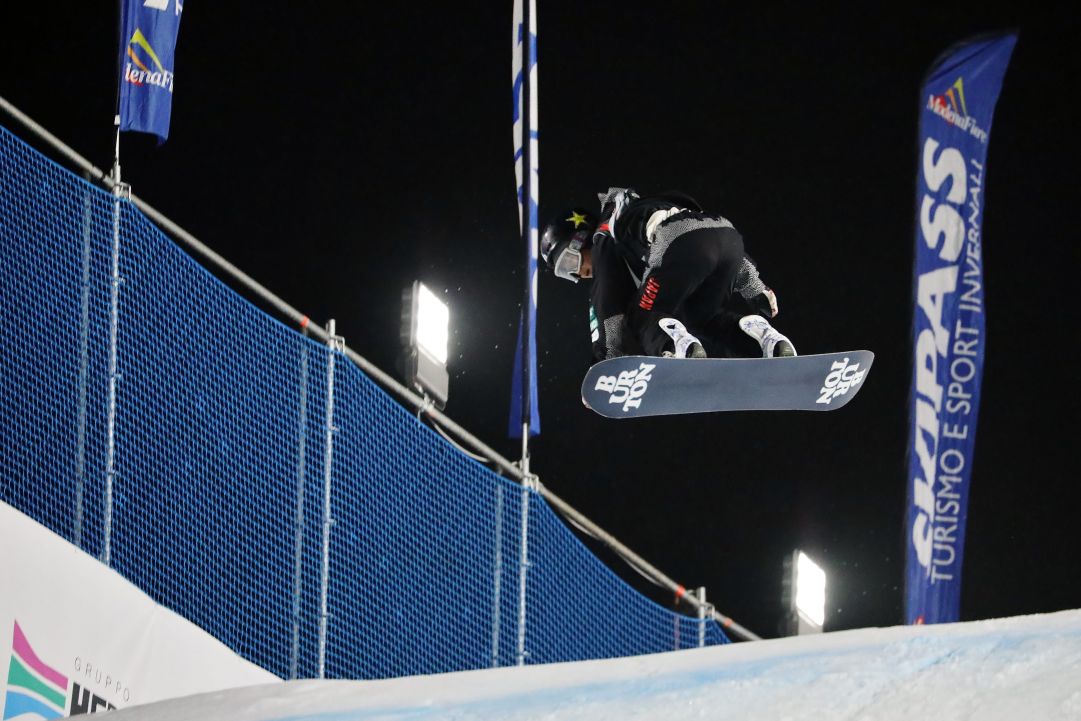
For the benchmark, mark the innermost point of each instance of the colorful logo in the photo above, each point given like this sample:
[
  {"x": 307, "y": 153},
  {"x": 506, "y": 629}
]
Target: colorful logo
[
  {"x": 36, "y": 690},
  {"x": 951, "y": 107},
  {"x": 34, "y": 687},
  {"x": 956, "y": 96},
  {"x": 142, "y": 56}
]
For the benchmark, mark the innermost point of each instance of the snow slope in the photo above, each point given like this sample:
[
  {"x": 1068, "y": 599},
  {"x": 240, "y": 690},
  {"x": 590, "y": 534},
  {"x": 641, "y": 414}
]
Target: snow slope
[{"x": 1022, "y": 668}]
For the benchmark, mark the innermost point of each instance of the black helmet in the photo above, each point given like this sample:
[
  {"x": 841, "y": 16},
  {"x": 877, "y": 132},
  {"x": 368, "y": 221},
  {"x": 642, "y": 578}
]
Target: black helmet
[{"x": 564, "y": 238}]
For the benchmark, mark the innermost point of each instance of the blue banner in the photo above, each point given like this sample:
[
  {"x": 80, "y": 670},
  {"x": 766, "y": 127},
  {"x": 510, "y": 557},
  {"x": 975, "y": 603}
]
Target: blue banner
[
  {"x": 523, "y": 403},
  {"x": 148, "y": 30},
  {"x": 958, "y": 101}
]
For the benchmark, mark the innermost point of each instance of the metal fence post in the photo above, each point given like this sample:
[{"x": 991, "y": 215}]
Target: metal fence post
[
  {"x": 528, "y": 484},
  {"x": 298, "y": 543},
  {"x": 119, "y": 190},
  {"x": 335, "y": 343},
  {"x": 705, "y": 612},
  {"x": 498, "y": 573},
  {"x": 84, "y": 365}
]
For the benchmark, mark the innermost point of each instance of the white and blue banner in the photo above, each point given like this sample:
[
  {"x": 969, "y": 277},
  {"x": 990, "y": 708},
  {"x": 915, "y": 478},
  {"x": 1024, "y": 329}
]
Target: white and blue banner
[
  {"x": 523, "y": 404},
  {"x": 958, "y": 101},
  {"x": 148, "y": 31}
]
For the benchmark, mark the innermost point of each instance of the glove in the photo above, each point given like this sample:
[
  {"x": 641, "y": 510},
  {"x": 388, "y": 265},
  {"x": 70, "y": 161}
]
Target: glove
[
  {"x": 772, "y": 298},
  {"x": 614, "y": 200},
  {"x": 766, "y": 303}
]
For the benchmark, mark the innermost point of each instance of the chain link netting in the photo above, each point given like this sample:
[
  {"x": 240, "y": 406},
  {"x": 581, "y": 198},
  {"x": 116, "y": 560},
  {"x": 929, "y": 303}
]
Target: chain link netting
[{"x": 169, "y": 427}]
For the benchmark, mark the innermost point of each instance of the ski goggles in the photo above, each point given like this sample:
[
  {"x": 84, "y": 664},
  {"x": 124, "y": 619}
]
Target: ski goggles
[{"x": 568, "y": 263}]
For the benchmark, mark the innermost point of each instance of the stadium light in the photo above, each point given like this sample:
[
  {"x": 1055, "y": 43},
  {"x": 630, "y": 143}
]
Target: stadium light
[
  {"x": 425, "y": 332},
  {"x": 805, "y": 594}
]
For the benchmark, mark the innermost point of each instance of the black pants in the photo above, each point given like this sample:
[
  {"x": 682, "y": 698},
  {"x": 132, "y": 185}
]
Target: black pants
[{"x": 694, "y": 284}]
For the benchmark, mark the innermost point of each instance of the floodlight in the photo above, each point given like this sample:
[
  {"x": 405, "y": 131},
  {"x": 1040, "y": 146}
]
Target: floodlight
[
  {"x": 805, "y": 594},
  {"x": 425, "y": 322}
]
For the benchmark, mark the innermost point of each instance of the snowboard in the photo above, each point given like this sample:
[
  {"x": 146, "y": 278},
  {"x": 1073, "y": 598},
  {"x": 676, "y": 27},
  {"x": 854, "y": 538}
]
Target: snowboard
[{"x": 637, "y": 386}]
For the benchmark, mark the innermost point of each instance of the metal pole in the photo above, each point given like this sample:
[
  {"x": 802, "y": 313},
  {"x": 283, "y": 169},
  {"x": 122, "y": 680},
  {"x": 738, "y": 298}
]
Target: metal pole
[
  {"x": 385, "y": 380},
  {"x": 335, "y": 347},
  {"x": 701, "y": 616},
  {"x": 114, "y": 302},
  {"x": 527, "y": 221},
  {"x": 523, "y": 567},
  {"x": 84, "y": 363},
  {"x": 675, "y": 627},
  {"x": 114, "y": 332},
  {"x": 298, "y": 542},
  {"x": 497, "y": 571},
  {"x": 525, "y": 447}
]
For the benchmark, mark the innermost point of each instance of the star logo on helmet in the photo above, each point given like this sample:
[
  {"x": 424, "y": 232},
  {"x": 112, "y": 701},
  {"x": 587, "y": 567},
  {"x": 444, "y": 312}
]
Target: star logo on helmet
[{"x": 578, "y": 219}]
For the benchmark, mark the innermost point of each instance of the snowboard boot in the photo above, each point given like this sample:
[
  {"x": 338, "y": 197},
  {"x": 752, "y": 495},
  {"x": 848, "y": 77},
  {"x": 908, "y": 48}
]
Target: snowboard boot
[
  {"x": 774, "y": 343},
  {"x": 684, "y": 344}
]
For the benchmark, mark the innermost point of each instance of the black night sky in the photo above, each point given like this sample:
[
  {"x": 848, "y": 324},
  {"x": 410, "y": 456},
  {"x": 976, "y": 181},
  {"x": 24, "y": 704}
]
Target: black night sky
[{"x": 336, "y": 152}]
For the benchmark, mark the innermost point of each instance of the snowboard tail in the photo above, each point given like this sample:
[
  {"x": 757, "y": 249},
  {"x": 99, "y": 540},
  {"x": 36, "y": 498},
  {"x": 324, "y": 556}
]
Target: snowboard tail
[{"x": 637, "y": 386}]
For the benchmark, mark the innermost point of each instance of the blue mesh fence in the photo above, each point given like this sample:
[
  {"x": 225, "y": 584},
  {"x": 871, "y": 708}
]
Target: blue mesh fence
[{"x": 202, "y": 468}]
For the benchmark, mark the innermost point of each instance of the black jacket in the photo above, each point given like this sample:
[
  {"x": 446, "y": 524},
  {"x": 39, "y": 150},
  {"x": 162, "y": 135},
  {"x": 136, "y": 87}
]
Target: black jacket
[
  {"x": 620, "y": 261},
  {"x": 621, "y": 258}
]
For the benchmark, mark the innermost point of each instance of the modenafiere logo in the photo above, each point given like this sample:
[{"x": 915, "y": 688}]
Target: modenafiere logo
[
  {"x": 138, "y": 72},
  {"x": 951, "y": 107}
]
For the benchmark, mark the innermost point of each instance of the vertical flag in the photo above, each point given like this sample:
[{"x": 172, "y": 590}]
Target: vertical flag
[
  {"x": 523, "y": 405},
  {"x": 148, "y": 30},
  {"x": 958, "y": 101}
]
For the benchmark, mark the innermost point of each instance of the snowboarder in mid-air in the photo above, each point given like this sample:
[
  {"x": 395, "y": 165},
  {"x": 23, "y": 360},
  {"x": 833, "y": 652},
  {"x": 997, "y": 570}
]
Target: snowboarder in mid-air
[{"x": 668, "y": 279}]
